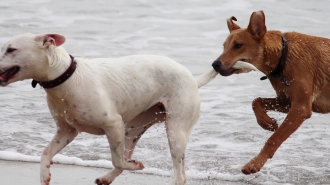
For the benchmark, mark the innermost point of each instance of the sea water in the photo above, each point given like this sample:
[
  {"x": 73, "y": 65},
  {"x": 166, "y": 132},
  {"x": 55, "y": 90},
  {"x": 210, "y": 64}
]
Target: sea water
[{"x": 191, "y": 32}]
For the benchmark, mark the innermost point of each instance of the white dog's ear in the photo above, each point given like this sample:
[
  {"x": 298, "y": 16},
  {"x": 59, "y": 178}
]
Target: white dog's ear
[{"x": 49, "y": 39}]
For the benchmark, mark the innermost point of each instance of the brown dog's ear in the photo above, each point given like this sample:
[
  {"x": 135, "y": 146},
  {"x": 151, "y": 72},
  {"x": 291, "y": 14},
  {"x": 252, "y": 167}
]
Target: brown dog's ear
[
  {"x": 257, "y": 25},
  {"x": 231, "y": 25},
  {"x": 50, "y": 39}
]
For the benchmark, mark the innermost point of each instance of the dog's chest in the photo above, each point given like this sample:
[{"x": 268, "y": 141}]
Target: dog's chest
[
  {"x": 82, "y": 119},
  {"x": 84, "y": 122},
  {"x": 280, "y": 88}
]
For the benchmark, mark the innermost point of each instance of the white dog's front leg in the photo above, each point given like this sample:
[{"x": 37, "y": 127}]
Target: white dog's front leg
[
  {"x": 116, "y": 136},
  {"x": 65, "y": 134},
  {"x": 109, "y": 177}
]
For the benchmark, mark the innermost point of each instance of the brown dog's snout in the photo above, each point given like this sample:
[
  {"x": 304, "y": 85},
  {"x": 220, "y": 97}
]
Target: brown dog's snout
[{"x": 216, "y": 65}]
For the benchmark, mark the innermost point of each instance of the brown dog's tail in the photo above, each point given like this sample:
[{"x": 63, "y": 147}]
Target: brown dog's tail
[{"x": 206, "y": 77}]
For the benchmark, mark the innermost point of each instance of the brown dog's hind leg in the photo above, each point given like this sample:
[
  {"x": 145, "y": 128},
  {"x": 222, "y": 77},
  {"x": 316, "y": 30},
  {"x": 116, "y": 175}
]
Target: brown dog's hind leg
[{"x": 262, "y": 105}]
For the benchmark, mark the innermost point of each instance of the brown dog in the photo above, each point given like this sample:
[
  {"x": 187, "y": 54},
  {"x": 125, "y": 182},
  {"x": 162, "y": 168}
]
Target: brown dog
[{"x": 298, "y": 67}]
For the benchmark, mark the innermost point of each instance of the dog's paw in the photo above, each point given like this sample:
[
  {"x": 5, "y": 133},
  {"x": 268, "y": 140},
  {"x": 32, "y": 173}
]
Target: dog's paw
[
  {"x": 45, "y": 177},
  {"x": 45, "y": 174},
  {"x": 268, "y": 123},
  {"x": 253, "y": 166},
  {"x": 102, "y": 181},
  {"x": 138, "y": 165}
]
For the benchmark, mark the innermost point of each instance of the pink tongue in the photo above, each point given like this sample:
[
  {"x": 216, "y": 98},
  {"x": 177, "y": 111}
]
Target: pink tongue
[{"x": 3, "y": 76}]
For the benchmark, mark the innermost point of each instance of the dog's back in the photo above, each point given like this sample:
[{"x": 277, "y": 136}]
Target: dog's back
[
  {"x": 135, "y": 80},
  {"x": 308, "y": 60}
]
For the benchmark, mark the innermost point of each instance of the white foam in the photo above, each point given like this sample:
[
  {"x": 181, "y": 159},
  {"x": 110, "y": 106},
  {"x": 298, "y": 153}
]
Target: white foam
[{"x": 14, "y": 156}]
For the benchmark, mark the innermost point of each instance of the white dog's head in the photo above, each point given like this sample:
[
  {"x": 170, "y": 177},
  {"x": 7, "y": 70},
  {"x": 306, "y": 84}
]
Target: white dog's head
[{"x": 26, "y": 56}]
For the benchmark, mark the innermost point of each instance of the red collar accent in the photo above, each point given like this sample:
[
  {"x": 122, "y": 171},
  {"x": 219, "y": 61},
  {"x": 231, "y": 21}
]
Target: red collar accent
[{"x": 59, "y": 80}]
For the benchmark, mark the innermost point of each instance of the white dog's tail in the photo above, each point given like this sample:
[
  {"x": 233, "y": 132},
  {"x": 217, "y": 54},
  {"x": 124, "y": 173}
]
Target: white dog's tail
[{"x": 206, "y": 77}]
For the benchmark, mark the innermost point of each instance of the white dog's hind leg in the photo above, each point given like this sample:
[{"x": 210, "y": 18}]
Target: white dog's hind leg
[
  {"x": 64, "y": 135},
  {"x": 183, "y": 113},
  {"x": 177, "y": 139}
]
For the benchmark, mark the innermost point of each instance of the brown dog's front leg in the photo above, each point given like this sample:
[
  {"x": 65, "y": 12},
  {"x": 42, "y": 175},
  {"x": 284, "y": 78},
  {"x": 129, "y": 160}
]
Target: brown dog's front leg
[
  {"x": 294, "y": 119},
  {"x": 262, "y": 105}
]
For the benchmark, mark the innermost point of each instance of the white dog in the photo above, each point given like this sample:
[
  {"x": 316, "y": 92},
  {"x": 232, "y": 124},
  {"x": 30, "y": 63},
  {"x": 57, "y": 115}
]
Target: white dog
[{"x": 120, "y": 98}]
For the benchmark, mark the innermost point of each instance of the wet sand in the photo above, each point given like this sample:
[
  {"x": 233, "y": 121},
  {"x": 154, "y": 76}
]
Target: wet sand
[{"x": 28, "y": 174}]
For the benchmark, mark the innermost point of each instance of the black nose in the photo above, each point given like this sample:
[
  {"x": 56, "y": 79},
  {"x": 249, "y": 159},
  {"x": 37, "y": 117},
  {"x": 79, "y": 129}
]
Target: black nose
[{"x": 216, "y": 65}]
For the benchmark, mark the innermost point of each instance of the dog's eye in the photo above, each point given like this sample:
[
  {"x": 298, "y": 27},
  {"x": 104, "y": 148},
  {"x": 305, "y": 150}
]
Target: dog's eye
[
  {"x": 10, "y": 50},
  {"x": 237, "y": 46}
]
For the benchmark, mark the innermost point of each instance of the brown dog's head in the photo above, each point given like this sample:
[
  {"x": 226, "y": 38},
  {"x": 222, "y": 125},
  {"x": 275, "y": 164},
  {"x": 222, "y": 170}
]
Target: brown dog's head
[{"x": 242, "y": 47}]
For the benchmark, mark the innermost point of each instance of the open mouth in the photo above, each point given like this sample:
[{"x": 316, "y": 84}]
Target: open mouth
[
  {"x": 6, "y": 75},
  {"x": 238, "y": 65},
  {"x": 227, "y": 72}
]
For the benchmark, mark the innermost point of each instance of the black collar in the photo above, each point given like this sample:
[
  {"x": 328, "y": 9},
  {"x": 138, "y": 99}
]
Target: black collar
[
  {"x": 59, "y": 80},
  {"x": 278, "y": 72}
]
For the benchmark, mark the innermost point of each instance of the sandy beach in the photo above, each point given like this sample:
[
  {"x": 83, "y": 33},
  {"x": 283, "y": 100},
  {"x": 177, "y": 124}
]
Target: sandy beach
[{"x": 28, "y": 174}]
